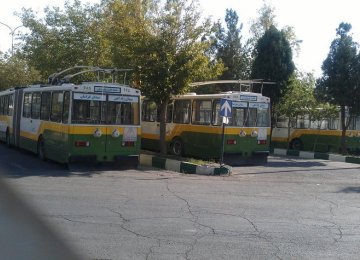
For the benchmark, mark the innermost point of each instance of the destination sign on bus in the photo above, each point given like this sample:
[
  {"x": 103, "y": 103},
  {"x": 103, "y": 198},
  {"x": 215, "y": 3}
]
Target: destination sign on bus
[
  {"x": 128, "y": 99},
  {"x": 248, "y": 98},
  {"x": 259, "y": 105},
  {"x": 94, "y": 97},
  {"x": 239, "y": 104},
  {"x": 103, "y": 89}
]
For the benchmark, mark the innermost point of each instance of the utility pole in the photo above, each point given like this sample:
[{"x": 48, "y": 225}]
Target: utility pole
[{"x": 12, "y": 33}]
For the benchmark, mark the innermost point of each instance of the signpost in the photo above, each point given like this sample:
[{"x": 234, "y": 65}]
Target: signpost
[{"x": 225, "y": 113}]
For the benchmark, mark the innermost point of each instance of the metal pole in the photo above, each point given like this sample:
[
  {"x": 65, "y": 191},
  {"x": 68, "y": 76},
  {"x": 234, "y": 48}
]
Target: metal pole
[
  {"x": 222, "y": 144},
  {"x": 12, "y": 33}
]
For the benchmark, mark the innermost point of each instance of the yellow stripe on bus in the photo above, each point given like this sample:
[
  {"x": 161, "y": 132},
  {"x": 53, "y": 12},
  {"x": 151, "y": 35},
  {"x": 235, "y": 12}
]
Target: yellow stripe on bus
[
  {"x": 179, "y": 129},
  {"x": 73, "y": 130}
]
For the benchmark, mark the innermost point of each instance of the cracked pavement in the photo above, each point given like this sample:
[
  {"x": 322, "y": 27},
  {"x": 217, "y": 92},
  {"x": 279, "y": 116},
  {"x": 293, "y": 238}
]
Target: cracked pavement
[{"x": 287, "y": 209}]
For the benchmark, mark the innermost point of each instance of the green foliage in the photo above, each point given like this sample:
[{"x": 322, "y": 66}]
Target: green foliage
[
  {"x": 263, "y": 23},
  {"x": 339, "y": 84},
  {"x": 165, "y": 42},
  {"x": 230, "y": 50},
  {"x": 15, "y": 71},
  {"x": 273, "y": 62},
  {"x": 299, "y": 100},
  {"x": 64, "y": 38}
]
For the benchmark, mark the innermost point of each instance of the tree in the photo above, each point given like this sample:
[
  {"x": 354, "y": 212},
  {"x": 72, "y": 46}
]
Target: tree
[
  {"x": 299, "y": 101},
  {"x": 273, "y": 62},
  {"x": 263, "y": 23},
  {"x": 339, "y": 84},
  {"x": 64, "y": 38},
  {"x": 230, "y": 50},
  {"x": 166, "y": 43},
  {"x": 15, "y": 71}
]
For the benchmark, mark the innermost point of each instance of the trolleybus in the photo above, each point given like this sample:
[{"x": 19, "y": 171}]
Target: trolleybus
[
  {"x": 316, "y": 135},
  {"x": 67, "y": 122},
  {"x": 194, "y": 126}
]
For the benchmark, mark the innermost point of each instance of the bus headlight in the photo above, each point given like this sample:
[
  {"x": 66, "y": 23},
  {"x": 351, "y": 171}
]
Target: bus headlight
[
  {"x": 242, "y": 133},
  {"x": 115, "y": 133},
  {"x": 97, "y": 133},
  {"x": 254, "y": 133}
]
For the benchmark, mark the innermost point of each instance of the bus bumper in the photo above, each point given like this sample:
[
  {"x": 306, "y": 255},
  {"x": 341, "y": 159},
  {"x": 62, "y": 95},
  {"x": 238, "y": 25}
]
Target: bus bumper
[{"x": 238, "y": 159}]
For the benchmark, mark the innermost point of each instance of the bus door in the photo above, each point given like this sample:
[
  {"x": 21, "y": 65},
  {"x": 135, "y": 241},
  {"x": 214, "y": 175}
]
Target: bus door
[{"x": 30, "y": 120}]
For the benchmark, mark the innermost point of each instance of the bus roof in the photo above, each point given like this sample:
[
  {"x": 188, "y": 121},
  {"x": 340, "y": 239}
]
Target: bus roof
[{"x": 232, "y": 95}]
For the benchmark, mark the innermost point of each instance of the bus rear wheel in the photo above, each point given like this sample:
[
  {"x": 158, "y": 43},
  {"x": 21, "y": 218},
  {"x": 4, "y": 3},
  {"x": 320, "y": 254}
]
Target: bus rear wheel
[
  {"x": 296, "y": 144},
  {"x": 41, "y": 149},
  {"x": 177, "y": 147}
]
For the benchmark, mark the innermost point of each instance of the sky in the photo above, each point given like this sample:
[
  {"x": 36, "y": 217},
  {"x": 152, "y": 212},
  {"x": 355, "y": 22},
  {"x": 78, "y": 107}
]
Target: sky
[{"x": 314, "y": 21}]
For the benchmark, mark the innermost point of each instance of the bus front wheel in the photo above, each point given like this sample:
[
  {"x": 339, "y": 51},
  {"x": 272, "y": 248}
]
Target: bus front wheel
[
  {"x": 296, "y": 144},
  {"x": 177, "y": 147},
  {"x": 41, "y": 149}
]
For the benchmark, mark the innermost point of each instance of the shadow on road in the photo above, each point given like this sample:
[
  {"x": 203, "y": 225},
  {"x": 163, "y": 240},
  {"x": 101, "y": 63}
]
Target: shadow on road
[
  {"x": 18, "y": 163},
  {"x": 350, "y": 190}
]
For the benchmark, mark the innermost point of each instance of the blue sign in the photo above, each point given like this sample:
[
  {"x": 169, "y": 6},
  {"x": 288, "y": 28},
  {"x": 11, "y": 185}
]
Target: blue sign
[{"x": 225, "y": 107}]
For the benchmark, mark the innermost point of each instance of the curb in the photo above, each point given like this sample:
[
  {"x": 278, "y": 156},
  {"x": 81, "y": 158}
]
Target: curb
[
  {"x": 183, "y": 167},
  {"x": 315, "y": 155}
]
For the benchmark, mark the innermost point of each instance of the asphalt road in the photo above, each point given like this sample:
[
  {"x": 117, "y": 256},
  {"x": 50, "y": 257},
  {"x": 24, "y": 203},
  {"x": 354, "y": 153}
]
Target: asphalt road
[{"x": 287, "y": 209}]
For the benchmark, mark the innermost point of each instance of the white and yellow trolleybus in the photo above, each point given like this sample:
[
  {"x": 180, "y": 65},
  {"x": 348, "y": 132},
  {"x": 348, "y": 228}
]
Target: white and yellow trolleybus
[
  {"x": 194, "y": 126},
  {"x": 66, "y": 122}
]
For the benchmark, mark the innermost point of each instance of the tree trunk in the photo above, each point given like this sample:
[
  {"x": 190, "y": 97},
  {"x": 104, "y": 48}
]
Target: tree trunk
[
  {"x": 343, "y": 130},
  {"x": 163, "y": 110},
  {"x": 288, "y": 133}
]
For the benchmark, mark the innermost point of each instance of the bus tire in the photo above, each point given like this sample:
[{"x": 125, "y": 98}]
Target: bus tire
[
  {"x": 41, "y": 149},
  {"x": 8, "y": 142},
  {"x": 296, "y": 144},
  {"x": 177, "y": 147}
]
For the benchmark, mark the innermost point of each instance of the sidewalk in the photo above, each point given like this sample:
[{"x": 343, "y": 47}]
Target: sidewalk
[
  {"x": 155, "y": 160},
  {"x": 315, "y": 155}
]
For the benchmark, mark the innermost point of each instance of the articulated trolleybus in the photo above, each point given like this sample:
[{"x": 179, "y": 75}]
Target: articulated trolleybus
[
  {"x": 194, "y": 125},
  {"x": 66, "y": 122}
]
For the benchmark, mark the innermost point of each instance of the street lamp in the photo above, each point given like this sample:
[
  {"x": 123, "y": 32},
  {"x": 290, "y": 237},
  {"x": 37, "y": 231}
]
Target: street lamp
[{"x": 12, "y": 33}]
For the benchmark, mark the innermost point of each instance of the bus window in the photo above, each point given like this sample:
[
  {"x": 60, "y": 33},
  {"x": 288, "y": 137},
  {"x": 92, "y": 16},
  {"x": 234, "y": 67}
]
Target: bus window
[
  {"x": 182, "y": 111},
  {"x": 263, "y": 117},
  {"x": 45, "y": 105},
  {"x": 149, "y": 112},
  {"x": 66, "y": 105},
  {"x": 56, "y": 106},
  {"x": 169, "y": 113},
  {"x": 303, "y": 122},
  {"x": 201, "y": 112},
  {"x": 334, "y": 124},
  {"x": 6, "y": 104},
  {"x": 124, "y": 110},
  {"x": 250, "y": 120},
  {"x": 35, "y": 105},
  {"x": 357, "y": 124},
  {"x": 11, "y": 105},
  {"x": 238, "y": 114},
  {"x": 27, "y": 105},
  {"x": 216, "y": 118}
]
